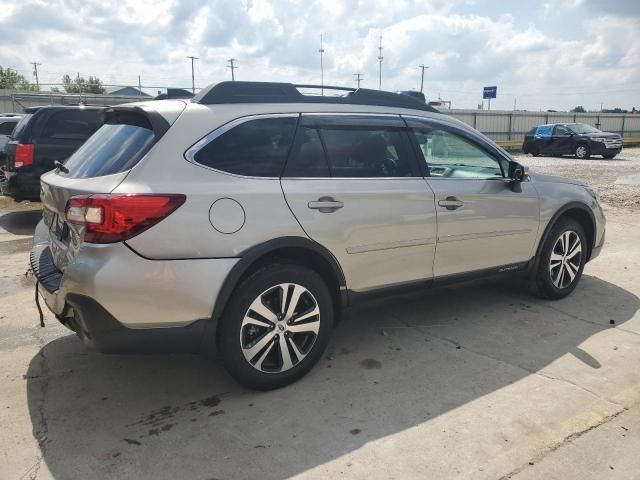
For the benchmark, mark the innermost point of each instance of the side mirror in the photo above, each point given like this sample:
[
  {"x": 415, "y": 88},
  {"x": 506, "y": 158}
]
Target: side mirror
[{"x": 518, "y": 173}]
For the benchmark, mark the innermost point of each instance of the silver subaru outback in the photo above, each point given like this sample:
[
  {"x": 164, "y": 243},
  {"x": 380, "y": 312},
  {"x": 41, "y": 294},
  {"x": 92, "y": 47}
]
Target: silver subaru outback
[{"x": 249, "y": 217}]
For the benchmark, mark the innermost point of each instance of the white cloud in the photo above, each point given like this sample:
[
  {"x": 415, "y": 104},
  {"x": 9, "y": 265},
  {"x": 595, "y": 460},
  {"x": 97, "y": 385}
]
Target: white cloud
[{"x": 467, "y": 45}]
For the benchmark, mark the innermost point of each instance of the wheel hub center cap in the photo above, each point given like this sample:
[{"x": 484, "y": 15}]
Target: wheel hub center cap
[{"x": 281, "y": 327}]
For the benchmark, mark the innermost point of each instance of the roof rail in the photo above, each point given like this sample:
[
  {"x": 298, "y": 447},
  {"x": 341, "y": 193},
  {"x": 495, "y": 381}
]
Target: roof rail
[{"x": 273, "y": 92}]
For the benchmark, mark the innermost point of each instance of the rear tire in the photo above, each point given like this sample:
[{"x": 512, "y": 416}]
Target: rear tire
[
  {"x": 265, "y": 340},
  {"x": 562, "y": 260},
  {"x": 582, "y": 151}
]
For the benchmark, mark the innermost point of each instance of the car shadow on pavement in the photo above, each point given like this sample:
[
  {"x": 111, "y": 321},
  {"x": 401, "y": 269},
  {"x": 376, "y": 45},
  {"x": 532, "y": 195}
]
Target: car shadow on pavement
[
  {"x": 22, "y": 222},
  {"x": 393, "y": 366}
]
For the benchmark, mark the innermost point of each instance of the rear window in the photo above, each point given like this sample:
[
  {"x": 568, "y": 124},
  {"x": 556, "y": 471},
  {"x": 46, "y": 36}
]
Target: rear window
[
  {"x": 255, "y": 148},
  {"x": 117, "y": 146},
  {"x": 71, "y": 125}
]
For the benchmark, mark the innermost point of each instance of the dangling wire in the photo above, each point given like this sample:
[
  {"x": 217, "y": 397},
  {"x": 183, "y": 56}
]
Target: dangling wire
[{"x": 38, "y": 305}]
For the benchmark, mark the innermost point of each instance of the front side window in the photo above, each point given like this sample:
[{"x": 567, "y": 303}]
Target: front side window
[
  {"x": 255, "y": 148},
  {"x": 453, "y": 156},
  {"x": 365, "y": 152},
  {"x": 560, "y": 130}
]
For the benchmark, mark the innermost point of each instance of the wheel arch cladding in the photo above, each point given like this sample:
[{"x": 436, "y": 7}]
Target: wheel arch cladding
[
  {"x": 294, "y": 250},
  {"x": 579, "y": 212}
]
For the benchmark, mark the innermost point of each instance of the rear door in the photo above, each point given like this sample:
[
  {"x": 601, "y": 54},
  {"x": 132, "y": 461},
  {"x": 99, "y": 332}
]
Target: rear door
[
  {"x": 354, "y": 185},
  {"x": 482, "y": 222}
]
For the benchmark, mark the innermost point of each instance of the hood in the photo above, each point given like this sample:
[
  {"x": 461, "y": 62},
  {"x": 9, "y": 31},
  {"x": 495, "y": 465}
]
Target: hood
[
  {"x": 540, "y": 177},
  {"x": 600, "y": 135}
]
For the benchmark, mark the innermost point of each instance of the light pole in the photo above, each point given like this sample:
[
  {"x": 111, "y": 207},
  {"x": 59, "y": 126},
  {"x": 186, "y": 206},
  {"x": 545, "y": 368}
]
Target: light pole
[
  {"x": 321, "y": 51},
  {"x": 422, "y": 76},
  {"x": 193, "y": 78}
]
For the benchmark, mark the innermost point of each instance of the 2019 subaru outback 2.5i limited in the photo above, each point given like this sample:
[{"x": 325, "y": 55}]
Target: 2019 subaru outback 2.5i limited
[{"x": 251, "y": 215}]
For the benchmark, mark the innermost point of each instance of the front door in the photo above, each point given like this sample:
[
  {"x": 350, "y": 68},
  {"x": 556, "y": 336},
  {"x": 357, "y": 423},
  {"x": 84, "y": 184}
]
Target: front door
[
  {"x": 482, "y": 222},
  {"x": 354, "y": 185},
  {"x": 561, "y": 140}
]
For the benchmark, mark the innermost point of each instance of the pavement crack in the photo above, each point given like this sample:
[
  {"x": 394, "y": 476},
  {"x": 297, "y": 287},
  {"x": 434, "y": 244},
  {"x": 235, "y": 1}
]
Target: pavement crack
[{"x": 557, "y": 445}]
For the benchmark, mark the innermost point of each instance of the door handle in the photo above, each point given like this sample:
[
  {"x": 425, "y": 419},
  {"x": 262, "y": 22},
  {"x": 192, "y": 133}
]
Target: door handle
[
  {"x": 451, "y": 203},
  {"x": 325, "y": 205}
]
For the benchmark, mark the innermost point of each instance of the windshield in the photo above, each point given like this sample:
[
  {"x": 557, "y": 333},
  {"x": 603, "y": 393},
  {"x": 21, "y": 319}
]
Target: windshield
[
  {"x": 583, "y": 128},
  {"x": 112, "y": 149}
]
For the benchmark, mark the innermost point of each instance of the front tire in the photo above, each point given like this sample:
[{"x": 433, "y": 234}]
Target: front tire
[
  {"x": 562, "y": 260},
  {"x": 582, "y": 151},
  {"x": 276, "y": 326}
]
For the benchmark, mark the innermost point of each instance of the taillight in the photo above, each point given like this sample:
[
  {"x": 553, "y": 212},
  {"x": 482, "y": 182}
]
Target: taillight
[
  {"x": 24, "y": 155},
  {"x": 110, "y": 218}
]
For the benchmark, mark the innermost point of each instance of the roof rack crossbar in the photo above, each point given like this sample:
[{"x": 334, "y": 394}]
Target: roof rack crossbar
[{"x": 274, "y": 92}]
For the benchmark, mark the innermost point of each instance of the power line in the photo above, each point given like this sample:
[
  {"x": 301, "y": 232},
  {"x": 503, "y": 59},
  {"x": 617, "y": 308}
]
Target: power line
[
  {"x": 359, "y": 77},
  {"x": 422, "y": 76},
  {"x": 380, "y": 57},
  {"x": 232, "y": 67},
  {"x": 193, "y": 77}
]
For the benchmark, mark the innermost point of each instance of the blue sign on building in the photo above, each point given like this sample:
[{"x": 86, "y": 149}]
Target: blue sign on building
[{"x": 489, "y": 92}]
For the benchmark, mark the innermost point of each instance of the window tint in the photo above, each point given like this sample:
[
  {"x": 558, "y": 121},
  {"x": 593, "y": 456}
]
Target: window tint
[
  {"x": 451, "y": 155},
  {"x": 114, "y": 148},
  {"x": 6, "y": 128},
  {"x": 356, "y": 152},
  {"x": 307, "y": 156},
  {"x": 560, "y": 130},
  {"x": 256, "y": 148},
  {"x": 71, "y": 125}
]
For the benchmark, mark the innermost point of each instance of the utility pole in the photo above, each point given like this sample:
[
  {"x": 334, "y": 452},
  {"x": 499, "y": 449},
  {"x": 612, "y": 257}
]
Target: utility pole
[
  {"x": 380, "y": 57},
  {"x": 193, "y": 78},
  {"x": 321, "y": 52},
  {"x": 79, "y": 86},
  {"x": 358, "y": 78},
  {"x": 232, "y": 67},
  {"x": 422, "y": 76},
  {"x": 139, "y": 86},
  {"x": 35, "y": 73}
]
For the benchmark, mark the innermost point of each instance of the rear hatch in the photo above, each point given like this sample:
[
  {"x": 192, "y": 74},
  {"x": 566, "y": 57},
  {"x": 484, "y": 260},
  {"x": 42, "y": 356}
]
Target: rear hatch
[{"x": 97, "y": 167}]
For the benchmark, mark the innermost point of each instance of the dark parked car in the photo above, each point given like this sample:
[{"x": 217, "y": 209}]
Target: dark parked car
[
  {"x": 576, "y": 139},
  {"x": 43, "y": 136}
]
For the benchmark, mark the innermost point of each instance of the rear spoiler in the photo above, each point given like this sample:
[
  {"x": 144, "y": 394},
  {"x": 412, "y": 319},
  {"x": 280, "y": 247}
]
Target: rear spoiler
[{"x": 146, "y": 117}]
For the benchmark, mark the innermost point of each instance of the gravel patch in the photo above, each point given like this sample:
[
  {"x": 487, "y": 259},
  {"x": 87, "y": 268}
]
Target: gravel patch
[{"x": 617, "y": 181}]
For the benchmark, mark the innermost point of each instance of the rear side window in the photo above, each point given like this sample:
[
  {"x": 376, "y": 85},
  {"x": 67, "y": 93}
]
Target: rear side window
[
  {"x": 117, "y": 146},
  {"x": 71, "y": 125},
  {"x": 307, "y": 156},
  {"x": 356, "y": 152},
  {"x": 6, "y": 128},
  {"x": 255, "y": 148}
]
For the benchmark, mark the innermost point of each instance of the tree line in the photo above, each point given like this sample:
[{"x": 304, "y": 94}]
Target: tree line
[{"x": 12, "y": 80}]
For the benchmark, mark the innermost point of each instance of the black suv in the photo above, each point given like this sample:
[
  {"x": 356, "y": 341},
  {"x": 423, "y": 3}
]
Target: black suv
[
  {"x": 578, "y": 139},
  {"x": 44, "y": 135}
]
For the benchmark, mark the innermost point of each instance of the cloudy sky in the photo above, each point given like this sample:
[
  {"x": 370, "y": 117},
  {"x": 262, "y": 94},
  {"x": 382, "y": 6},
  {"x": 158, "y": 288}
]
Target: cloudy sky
[{"x": 551, "y": 54}]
